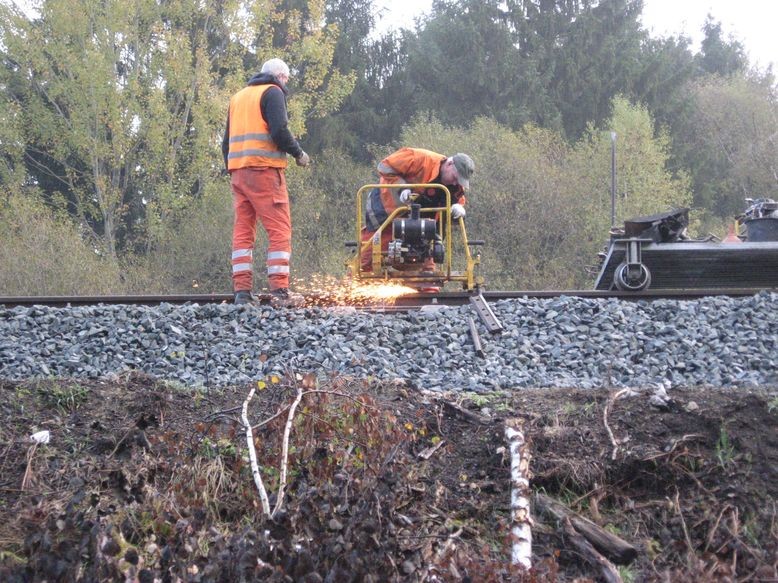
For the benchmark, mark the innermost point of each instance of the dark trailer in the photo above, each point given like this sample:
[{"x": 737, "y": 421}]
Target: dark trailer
[{"x": 655, "y": 252}]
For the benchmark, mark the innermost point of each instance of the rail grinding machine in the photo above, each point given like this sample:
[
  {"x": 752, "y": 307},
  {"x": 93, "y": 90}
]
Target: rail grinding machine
[{"x": 417, "y": 234}]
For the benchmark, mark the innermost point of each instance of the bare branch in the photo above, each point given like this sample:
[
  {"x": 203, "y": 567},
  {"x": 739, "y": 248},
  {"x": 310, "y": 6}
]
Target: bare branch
[
  {"x": 285, "y": 452},
  {"x": 253, "y": 455},
  {"x": 610, "y": 402}
]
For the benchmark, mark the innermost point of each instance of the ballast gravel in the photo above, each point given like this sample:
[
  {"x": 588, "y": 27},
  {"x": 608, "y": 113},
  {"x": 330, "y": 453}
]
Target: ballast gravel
[{"x": 559, "y": 342}]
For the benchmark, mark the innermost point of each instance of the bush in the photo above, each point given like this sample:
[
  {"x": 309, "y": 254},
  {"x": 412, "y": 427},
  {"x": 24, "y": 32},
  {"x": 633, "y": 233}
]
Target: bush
[
  {"x": 42, "y": 252},
  {"x": 543, "y": 206},
  {"x": 191, "y": 251},
  {"x": 324, "y": 213}
]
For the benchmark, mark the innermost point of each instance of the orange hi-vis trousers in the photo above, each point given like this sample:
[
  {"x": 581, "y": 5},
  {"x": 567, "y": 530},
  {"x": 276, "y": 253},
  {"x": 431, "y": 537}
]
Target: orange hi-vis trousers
[{"x": 260, "y": 194}]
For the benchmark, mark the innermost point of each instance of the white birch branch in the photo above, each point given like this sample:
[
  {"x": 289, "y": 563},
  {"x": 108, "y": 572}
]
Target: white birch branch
[
  {"x": 253, "y": 455},
  {"x": 285, "y": 452},
  {"x": 521, "y": 529}
]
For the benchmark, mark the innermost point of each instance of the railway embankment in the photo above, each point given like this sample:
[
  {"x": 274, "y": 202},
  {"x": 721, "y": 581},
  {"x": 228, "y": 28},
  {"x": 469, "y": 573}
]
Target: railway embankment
[{"x": 545, "y": 342}]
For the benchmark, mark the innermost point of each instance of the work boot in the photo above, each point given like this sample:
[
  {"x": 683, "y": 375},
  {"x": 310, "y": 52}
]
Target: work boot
[
  {"x": 243, "y": 297},
  {"x": 283, "y": 298}
]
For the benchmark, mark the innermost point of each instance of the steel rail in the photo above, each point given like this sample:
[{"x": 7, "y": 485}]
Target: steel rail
[{"x": 395, "y": 304}]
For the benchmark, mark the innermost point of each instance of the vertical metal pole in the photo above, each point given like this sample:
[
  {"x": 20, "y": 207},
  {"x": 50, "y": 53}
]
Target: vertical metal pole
[{"x": 613, "y": 179}]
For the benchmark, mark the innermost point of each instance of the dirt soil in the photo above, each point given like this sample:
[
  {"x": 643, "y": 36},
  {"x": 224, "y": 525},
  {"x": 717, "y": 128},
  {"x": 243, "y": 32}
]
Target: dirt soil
[{"x": 150, "y": 481}]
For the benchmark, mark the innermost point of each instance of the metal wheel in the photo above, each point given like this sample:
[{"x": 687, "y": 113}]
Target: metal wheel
[{"x": 628, "y": 280}]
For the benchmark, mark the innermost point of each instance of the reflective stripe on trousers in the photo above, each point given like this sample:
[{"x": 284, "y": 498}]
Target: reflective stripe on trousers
[{"x": 259, "y": 194}]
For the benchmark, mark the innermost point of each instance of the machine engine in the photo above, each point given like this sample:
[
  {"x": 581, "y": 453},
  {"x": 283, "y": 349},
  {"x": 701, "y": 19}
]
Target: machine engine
[{"x": 413, "y": 240}]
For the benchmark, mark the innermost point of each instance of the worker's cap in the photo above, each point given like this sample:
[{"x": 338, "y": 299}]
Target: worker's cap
[{"x": 465, "y": 168}]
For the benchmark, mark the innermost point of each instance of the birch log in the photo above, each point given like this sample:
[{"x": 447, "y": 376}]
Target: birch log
[{"x": 521, "y": 521}]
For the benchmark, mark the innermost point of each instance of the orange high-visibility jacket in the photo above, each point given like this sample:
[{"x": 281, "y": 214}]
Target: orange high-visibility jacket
[
  {"x": 405, "y": 166},
  {"x": 251, "y": 145}
]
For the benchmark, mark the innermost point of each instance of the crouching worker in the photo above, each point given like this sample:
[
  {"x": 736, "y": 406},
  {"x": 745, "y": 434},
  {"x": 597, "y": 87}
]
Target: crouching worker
[
  {"x": 415, "y": 166},
  {"x": 256, "y": 143}
]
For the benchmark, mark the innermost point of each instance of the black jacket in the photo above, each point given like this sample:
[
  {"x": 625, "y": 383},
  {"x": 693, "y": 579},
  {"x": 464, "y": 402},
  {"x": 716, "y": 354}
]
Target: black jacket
[{"x": 272, "y": 108}]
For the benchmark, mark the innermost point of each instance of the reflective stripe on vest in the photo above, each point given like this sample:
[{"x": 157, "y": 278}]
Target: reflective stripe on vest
[{"x": 251, "y": 145}]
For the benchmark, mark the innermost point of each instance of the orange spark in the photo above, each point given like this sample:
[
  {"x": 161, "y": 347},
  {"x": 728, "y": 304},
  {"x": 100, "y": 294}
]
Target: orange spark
[{"x": 328, "y": 291}]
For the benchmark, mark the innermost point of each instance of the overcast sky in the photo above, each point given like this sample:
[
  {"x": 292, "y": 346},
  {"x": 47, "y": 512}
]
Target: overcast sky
[{"x": 752, "y": 22}]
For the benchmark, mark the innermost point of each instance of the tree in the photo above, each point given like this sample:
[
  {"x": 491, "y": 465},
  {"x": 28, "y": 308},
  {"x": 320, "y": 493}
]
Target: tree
[
  {"x": 598, "y": 58},
  {"x": 345, "y": 128},
  {"x": 644, "y": 184},
  {"x": 666, "y": 65},
  {"x": 555, "y": 63},
  {"x": 720, "y": 57},
  {"x": 728, "y": 140},
  {"x": 465, "y": 64},
  {"x": 12, "y": 173},
  {"x": 123, "y": 102}
]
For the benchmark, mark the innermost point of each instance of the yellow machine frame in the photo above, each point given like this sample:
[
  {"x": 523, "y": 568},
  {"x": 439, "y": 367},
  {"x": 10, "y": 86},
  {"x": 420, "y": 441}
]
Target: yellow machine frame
[{"x": 468, "y": 277}]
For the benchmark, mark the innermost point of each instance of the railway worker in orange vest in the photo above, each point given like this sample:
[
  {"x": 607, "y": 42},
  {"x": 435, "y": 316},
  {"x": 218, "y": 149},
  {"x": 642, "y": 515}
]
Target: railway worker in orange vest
[
  {"x": 256, "y": 143},
  {"x": 415, "y": 166}
]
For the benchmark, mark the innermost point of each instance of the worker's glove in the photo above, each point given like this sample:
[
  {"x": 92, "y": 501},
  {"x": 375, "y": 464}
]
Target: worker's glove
[
  {"x": 457, "y": 211},
  {"x": 303, "y": 160},
  {"x": 405, "y": 195}
]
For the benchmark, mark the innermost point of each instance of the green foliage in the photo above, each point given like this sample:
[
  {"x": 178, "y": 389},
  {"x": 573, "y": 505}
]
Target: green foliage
[
  {"x": 323, "y": 212},
  {"x": 43, "y": 253},
  {"x": 123, "y": 103},
  {"x": 12, "y": 171},
  {"x": 351, "y": 56},
  {"x": 643, "y": 183},
  {"x": 66, "y": 399},
  {"x": 644, "y": 186},
  {"x": 599, "y": 59},
  {"x": 211, "y": 449},
  {"x": 627, "y": 574},
  {"x": 720, "y": 57},
  {"x": 440, "y": 65},
  {"x": 727, "y": 140},
  {"x": 545, "y": 204},
  {"x": 192, "y": 250}
]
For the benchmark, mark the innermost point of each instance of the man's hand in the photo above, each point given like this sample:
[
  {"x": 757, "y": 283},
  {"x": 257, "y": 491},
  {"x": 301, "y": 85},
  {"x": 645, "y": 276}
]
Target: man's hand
[
  {"x": 405, "y": 195},
  {"x": 457, "y": 211},
  {"x": 303, "y": 160}
]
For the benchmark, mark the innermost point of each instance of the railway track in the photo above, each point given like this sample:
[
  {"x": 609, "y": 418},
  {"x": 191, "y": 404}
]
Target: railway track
[{"x": 395, "y": 304}]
